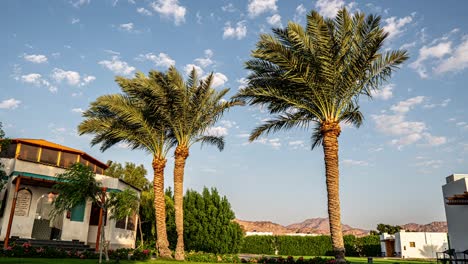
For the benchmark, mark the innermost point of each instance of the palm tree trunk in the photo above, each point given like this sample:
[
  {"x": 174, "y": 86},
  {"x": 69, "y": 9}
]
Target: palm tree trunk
[
  {"x": 181, "y": 154},
  {"x": 331, "y": 132},
  {"x": 162, "y": 244}
]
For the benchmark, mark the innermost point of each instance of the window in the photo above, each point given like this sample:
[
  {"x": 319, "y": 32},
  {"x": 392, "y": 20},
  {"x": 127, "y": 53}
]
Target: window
[
  {"x": 77, "y": 213},
  {"x": 131, "y": 223},
  {"x": 412, "y": 244},
  {"x": 67, "y": 159},
  {"x": 28, "y": 152},
  {"x": 49, "y": 156},
  {"x": 9, "y": 151},
  {"x": 120, "y": 223}
]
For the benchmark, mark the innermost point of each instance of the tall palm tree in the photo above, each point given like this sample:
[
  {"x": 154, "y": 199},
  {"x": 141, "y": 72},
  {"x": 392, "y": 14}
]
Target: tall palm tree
[
  {"x": 314, "y": 76},
  {"x": 128, "y": 118},
  {"x": 190, "y": 108}
]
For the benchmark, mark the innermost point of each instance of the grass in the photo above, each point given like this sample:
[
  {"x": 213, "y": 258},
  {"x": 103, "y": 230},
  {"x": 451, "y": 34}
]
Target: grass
[{"x": 94, "y": 261}]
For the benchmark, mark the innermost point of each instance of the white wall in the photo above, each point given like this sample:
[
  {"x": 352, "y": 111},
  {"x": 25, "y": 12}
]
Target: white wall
[
  {"x": 427, "y": 244},
  {"x": 457, "y": 215}
]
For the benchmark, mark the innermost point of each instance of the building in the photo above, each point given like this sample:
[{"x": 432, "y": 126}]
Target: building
[
  {"x": 455, "y": 193},
  {"x": 413, "y": 244},
  {"x": 26, "y": 199}
]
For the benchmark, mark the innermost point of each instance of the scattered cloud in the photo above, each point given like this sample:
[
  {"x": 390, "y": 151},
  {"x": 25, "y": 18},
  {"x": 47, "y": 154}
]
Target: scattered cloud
[
  {"x": 297, "y": 144},
  {"x": 300, "y": 13},
  {"x": 258, "y": 7},
  {"x": 219, "y": 80},
  {"x": 407, "y": 132},
  {"x": 239, "y": 31},
  {"x": 128, "y": 27},
  {"x": 427, "y": 52},
  {"x": 77, "y": 110},
  {"x": 170, "y": 9},
  {"x": 243, "y": 82},
  {"x": 188, "y": 69},
  {"x": 199, "y": 18},
  {"x": 383, "y": 94},
  {"x": 458, "y": 61},
  {"x": 117, "y": 66},
  {"x": 435, "y": 164},
  {"x": 395, "y": 26},
  {"x": 10, "y": 103},
  {"x": 205, "y": 61},
  {"x": 144, "y": 11},
  {"x": 75, "y": 20},
  {"x": 80, "y": 3},
  {"x": 35, "y": 58},
  {"x": 37, "y": 80},
  {"x": 444, "y": 103},
  {"x": 329, "y": 8},
  {"x": 71, "y": 77},
  {"x": 217, "y": 131},
  {"x": 274, "y": 142},
  {"x": 160, "y": 60},
  {"x": 275, "y": 20},
  {"x": 228, "y": 8},
  {"x": 355, "y": 162}
]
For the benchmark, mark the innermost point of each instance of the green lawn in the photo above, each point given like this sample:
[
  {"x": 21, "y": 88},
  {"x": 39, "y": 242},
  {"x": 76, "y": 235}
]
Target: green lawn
[{"x": 94, "y": 261}]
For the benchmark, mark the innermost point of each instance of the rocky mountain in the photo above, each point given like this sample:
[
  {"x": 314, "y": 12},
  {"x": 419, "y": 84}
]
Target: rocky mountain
[
  {"x": 313, "y": 226},
  {"x": 431, "y": 227},
  {"x": 321, "y": 226}
]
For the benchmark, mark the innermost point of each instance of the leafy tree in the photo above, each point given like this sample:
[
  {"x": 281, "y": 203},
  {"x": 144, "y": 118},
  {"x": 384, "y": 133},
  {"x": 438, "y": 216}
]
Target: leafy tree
[
  {"x": 389, "y": 229},
  {"x": 3, "y": 145},
  {"x": 189, "y": 108},
  {"x": 128, "y": 118},
  {"x": 130, "y": 172},
  {"x": 313, "y": 77},
  {"x": 208, "y": 223},
  {"x": 78, "y": 185}
]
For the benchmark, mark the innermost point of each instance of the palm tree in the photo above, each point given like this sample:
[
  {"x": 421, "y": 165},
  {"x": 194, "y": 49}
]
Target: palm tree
[
  {"x": 189, "y": 108},
  {"x": 127, "y": 118},
  {"x": 314, "y": 76}
]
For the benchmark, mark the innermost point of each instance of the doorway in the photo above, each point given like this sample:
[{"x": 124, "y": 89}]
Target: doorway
[{"x": 47, "y": 227}]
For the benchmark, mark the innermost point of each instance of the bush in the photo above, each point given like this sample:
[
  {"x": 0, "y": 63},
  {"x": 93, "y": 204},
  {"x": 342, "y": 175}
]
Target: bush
[
  {"x": 310, "y": 245},
  {"x": 193, "y": 256}
]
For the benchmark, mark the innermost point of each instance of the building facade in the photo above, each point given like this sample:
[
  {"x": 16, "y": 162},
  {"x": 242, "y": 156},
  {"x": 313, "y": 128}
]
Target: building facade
[
  {"x": 413, "y": 244},
  {"x": 455, "y": 193},
  {"x": 28, "y": 194}
]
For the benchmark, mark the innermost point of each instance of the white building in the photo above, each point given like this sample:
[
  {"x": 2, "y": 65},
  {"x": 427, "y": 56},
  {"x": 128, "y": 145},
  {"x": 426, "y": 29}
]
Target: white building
[
  {"x": 455, "y": 193},
  {"x": 413, "y": 244},
  {"x": 26, "y": 200}
]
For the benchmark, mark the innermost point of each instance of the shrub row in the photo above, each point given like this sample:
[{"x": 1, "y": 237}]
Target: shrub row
[
  {"x": 310, "y": 245},
  {"x": 26, "y": 250}
]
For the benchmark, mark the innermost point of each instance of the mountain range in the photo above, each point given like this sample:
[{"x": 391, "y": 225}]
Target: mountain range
[{"x": 321, "y": 226}]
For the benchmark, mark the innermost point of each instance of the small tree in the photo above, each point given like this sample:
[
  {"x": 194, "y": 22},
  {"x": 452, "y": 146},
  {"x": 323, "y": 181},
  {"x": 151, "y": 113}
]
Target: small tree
[
  {"x": 78, "y": 185},
  {"x": 3, "y": 145},
  {"x": 389, "y": 229}
]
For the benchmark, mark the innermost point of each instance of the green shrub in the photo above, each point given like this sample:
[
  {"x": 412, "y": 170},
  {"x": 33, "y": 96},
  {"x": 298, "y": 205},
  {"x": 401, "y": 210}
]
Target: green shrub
[{"x": 193, "y": 256}]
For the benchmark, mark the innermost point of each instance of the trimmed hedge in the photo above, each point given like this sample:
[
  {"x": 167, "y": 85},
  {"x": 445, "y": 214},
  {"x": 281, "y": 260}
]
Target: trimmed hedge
[{"x": 310, "y": 245}]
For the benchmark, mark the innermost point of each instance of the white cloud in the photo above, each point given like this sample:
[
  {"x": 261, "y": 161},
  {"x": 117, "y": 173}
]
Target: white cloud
[
  {"x": 408, "y": 45},
  {"x": 33, "y": 78},
  {"x": 218, "y": 131},
  {"x": 243, "y": 82},
  {"x": 275, "y": 20},
  {"x": 77, "y": 110},
  {"x": 188, "y": 69},
  {"x": 228, "y": 8},
  {"x": 395, "y": 26},
  {"x": 300, "y": 13},
  {"x": 405, "y": 106},
  {"x": 75, "y": 20},
  {"x": 435, "y": 164},
  {"x": 239, "y": 32},
  {"x": 426, "y": 52},
  {"x": 444, "y": 103},
  {"x": 206, "y": 61},
  {"x": 88, "y": 79},
  {"x": 160, "y": 60},
  {"x": 117, "y": 66},
  {"x": 407, "y": 132},
  {"x": 219, "y": 80},
  {"x": 9, "y": 103},
  {"x": 228, "y": 123},
  {"x": 329, "y": 8},
  {"x": 71, "y": 77},
  {"x": 274, "y": 142},
  {"x": 35, "y": 58},
  {"x": 126, "y": 27},
  {"x": 199, "y": 17},
  {"x": 80, "y": 3},
  {"x": 458, "y": 61},
  {"x": 383, "y": 94},
  {"x": 355, "y": 162},
  {"x": 258, "y": 7},
  {"x": 170, "y": 9},
  {"x": 144, "y": 11}
]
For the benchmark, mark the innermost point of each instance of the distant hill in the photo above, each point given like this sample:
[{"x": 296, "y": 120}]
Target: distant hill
[
  {"x": 321, "y": 226},
  {"x": 431, "y": 227}
]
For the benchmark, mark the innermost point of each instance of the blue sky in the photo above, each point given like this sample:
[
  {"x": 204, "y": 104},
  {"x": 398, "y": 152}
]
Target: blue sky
[{"x": 59, "y": 56}]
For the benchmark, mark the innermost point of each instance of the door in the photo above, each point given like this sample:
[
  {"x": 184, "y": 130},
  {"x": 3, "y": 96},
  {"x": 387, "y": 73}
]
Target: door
[
  {"x": 390, "y": 248},
  {"x": 46, "y": 227}
]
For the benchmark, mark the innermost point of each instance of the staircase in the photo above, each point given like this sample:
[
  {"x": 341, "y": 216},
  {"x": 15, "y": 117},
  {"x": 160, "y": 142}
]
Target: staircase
[{"x": 66, "y": 245}]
